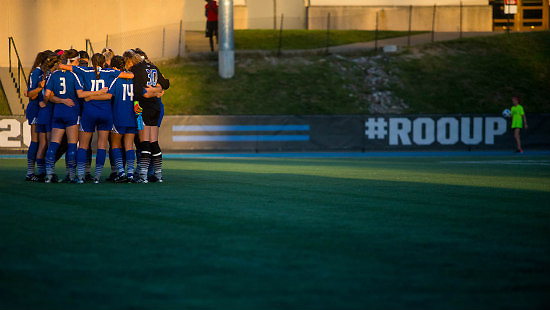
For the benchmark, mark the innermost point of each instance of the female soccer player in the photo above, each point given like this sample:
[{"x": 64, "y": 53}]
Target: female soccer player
[
  {"x": 44, "y": 119},
  {"x": 124, "y": 119},
  {"x": 154, "y": 172},
  {"x": 96, "y": 113},
  {"x": 147, "y": 75},
  {"x": 109, "y": 54},
  {"x": 34, "y": 90},
  {"x": 65, "y": 119}
]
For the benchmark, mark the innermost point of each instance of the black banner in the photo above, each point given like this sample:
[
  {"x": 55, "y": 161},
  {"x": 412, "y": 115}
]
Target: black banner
[{"x": 283, "y": 133}]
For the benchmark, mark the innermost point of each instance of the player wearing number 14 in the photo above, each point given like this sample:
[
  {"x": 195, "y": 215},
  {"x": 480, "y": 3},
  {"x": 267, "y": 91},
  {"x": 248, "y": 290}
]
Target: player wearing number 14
[{"x": 125, "y": 127}]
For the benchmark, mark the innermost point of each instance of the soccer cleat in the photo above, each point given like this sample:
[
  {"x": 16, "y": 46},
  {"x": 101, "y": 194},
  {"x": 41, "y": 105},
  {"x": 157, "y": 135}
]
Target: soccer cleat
[
  {"x": 142, "y": 180},
  {"x": 112, "y": 177},
  {"x": 96, "y": 181},
  {"x": 88, "y": 177},
  {"x": 52, "y": 178},
  {"x": 158, "y": 176},
  {"x": 67, "y": 179},
  {"x": 121, "y": 178},
  {"x": 152, "y": 178},
  {"x": 39, "y": 178},
  {"x": 78, "y": 180},
  {"x": 30, "y": 177}
]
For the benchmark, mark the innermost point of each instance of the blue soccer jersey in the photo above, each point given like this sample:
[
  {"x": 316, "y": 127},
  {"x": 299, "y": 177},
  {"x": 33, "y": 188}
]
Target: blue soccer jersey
[
  {"x": 64, "y": 85},
  {"x": 44, "y": 118},
  {"x": 90, "y": 83},
  {"x": 123, "y": 103},
  {"x": 96, "y": 113},
  {"x": 33, "y": 108}
]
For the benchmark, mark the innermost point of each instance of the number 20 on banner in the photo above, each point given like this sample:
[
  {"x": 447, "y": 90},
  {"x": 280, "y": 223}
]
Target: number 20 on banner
[{"x": 11, "y": 131}]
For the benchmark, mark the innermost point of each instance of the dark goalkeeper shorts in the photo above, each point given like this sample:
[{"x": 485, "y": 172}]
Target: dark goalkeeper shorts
[{"x": 150, "y": 116}]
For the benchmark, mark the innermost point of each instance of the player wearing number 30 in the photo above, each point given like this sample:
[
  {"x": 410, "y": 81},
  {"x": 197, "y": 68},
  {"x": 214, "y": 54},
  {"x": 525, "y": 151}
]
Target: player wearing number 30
[{"x": 96, "y": 113}]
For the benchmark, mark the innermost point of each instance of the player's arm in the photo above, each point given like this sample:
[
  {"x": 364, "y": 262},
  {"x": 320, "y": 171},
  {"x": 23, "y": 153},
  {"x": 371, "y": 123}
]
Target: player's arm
[
  {"x": 106, "y": 96},
  {"x": 524, "y": 121},
  {"x": 151, "y": 92},
  {"x": 84, "y": 93},
  {"x": 164, "y": 82},
  {"x": 66, "y": 67},
  {"x": 50, "y": 97},
  {"x": 126, "y": 75},
  {"x": 33, "y": 93}
]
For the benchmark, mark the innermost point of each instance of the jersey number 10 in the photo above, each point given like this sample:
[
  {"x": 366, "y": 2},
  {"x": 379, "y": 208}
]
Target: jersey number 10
[{"x": 97, "y": 85}]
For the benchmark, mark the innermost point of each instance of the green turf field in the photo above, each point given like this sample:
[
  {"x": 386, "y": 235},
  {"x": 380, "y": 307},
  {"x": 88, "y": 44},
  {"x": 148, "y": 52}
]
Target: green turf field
[{"x": 323, "y": 233}]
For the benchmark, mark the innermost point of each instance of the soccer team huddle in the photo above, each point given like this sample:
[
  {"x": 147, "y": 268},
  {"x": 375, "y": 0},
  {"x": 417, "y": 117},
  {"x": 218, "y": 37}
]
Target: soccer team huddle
[{"x": 71, "y": 97}]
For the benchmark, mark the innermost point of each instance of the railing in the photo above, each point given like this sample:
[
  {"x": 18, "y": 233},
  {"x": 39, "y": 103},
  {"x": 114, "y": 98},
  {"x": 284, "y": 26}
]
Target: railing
[
  {"x": 89, "y": 44},
  {"x": 20, "y": 71}
]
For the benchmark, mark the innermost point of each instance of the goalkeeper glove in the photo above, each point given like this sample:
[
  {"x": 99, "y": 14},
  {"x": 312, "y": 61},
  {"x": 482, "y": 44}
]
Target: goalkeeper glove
[{"x": 137, "y": 108}]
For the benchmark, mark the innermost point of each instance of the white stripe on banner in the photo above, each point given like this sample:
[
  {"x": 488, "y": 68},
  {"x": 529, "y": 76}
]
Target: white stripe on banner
[
  {"x": 241, "y": 128},
  {"x": 249, "y": 138},
  {"x": 267, "y": 137}
]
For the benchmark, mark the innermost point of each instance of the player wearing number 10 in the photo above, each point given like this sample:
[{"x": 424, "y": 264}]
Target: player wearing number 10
[{"x": 96, "y": 113}]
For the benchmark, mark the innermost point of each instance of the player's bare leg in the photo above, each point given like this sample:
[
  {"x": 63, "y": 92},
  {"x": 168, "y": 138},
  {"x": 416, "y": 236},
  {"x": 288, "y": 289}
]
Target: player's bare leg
[{"x": 518, "y": 140}]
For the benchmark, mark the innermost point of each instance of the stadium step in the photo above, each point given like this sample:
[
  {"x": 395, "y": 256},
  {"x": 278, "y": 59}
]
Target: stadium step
[{"x": 17, "y": 105}]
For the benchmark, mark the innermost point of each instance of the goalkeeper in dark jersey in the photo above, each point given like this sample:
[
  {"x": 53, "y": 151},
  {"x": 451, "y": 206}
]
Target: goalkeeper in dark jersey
[{"x": 147, "y": 75}]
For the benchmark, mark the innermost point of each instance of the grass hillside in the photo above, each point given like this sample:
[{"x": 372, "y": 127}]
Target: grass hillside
[
  {"x": 266, "y": 39},
  {"x": 475, "y": 75},
  {"x": 4, "y": 107}
]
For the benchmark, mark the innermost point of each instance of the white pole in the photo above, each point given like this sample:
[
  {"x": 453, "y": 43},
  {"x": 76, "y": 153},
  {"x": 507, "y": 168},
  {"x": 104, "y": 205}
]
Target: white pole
[{"x": 226, "y": 54}]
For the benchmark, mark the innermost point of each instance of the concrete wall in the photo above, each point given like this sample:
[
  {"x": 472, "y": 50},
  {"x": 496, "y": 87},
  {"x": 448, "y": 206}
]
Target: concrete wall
[
  {"x": 395, "y": 2},
  {"x": 50, "y": 24},
  {"x": 154, "y": 25},
  {"x": 447, "y": 18}
]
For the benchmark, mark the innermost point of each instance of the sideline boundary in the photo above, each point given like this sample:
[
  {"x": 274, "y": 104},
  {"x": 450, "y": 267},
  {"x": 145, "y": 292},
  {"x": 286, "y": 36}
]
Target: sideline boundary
[{"x": 333, "y": 154}]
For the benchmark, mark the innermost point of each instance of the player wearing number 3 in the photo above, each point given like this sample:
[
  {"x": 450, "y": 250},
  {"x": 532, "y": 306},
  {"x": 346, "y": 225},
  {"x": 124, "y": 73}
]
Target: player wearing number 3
[{"x": 64, "y": 88}]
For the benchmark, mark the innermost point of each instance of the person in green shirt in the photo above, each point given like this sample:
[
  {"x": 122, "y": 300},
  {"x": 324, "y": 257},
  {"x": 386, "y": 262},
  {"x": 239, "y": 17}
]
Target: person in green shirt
[{"x": 518, "y": 121}]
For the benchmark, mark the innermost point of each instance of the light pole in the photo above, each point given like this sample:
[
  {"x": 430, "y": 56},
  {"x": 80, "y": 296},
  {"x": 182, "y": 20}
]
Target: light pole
[{"x": 226, "y": 54}]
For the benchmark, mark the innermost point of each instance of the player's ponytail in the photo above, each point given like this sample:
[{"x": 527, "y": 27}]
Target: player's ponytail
[
  {"x": 51, "y": 62},
  {"x": 98, "y": 60}
]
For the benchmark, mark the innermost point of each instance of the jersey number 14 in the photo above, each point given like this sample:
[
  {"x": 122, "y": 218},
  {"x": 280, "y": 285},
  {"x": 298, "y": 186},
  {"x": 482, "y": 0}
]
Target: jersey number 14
[{"x": 128, "y": 90}]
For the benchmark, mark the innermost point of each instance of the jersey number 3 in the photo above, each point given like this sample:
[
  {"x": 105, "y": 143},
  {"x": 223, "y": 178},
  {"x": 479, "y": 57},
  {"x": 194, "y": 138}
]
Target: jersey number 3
[{"x": 63, "y": 85}]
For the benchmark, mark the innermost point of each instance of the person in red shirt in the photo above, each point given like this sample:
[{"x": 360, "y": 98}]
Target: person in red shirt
[{"x": 211, "y": 13}]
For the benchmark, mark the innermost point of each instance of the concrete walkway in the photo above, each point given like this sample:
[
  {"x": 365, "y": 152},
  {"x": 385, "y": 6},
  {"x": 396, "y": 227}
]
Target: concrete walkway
[{"x": 197, "y": 46}]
